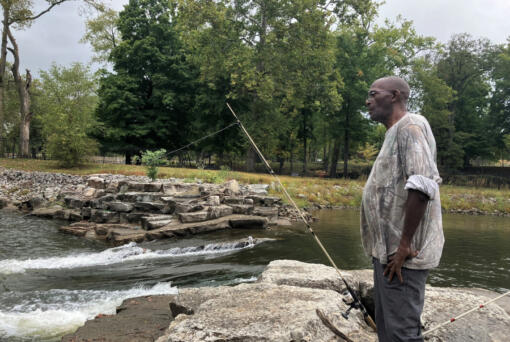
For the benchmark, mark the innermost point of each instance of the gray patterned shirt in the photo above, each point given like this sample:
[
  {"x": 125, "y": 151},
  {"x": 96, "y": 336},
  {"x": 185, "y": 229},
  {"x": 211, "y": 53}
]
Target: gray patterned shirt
[{"x": 407, "y": 160}]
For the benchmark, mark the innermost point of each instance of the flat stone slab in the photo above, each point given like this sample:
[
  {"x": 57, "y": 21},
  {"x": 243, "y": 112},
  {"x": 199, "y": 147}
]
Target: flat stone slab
[{"x": 141, "y": 319}]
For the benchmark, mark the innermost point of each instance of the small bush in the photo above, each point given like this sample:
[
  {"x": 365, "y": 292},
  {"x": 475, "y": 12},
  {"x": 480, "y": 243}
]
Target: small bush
[{"x": 151, "y": 160}]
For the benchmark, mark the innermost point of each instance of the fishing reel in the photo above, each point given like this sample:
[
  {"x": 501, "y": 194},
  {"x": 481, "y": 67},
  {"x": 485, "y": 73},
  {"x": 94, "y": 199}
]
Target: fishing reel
[{"x": 353, "y": 304}]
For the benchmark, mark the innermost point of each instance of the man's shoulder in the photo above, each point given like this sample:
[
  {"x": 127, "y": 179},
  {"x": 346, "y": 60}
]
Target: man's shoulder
[{"x": 412, "y": 119}]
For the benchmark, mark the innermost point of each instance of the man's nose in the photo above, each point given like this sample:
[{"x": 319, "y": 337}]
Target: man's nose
[{"x": 367, "y": 102}]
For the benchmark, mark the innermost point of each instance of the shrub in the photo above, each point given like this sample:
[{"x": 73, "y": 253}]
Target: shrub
[{"x": 151, "y": 160}]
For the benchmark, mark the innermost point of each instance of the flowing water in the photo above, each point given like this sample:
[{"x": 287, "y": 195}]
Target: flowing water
[{"x": 50, "y": 283}]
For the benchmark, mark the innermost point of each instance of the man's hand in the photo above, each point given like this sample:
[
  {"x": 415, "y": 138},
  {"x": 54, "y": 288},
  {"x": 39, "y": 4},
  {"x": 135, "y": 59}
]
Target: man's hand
[{"x": 396, "y": 261}]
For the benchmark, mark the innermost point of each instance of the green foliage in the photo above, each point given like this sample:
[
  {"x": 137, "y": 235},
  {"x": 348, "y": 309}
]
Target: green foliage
[
  {"x": 102, "y": 34},
  {"x": 66, "y": 106},
  {"x": 147, "y": 101},
  {"x": 151, "y": 160}
]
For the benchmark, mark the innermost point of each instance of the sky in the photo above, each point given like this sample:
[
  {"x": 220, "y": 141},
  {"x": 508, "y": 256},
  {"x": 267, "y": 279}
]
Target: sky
[{"x": 54, "y": 38}]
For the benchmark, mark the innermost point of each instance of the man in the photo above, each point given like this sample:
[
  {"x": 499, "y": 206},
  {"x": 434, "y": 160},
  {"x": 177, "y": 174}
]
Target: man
[{"x": 401, "y": 226}]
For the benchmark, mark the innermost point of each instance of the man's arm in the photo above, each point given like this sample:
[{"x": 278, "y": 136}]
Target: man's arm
[{"x": 415, "y": 209}]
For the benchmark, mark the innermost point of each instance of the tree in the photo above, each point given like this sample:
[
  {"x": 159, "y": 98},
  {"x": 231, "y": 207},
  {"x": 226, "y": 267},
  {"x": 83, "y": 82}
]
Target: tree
[
  {"x": 380, "y": 51},
  {"x": 434, "y": 97},
  {"x": 465, "y": 67},
  {"x": 67, "y": 105},
  {"x": 18, "y": 14},
  {"x": 102, "y": 34},
  {"x": 147, "y": 101}
]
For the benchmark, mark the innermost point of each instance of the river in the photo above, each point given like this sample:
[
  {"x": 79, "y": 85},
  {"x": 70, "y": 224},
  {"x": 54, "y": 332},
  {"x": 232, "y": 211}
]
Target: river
[{"x": 50, "y": 283}]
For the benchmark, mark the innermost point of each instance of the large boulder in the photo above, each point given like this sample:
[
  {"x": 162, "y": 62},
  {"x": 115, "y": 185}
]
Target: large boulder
[
  {"x": 96, "y": 182},
  {"x": 261, "y": 312}
]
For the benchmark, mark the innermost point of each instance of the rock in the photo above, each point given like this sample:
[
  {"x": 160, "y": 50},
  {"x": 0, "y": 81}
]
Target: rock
[
  {"x": 245, "y": 209},
  {"x": 265, "y": 211},
  {"x": 46, "y": 212},
  {"x": 219, "y": 211},
  {"x": 231, "y": 187},
  {"x": 233, "y": 200},
  {"x": 86, "y": 213},
  {"x": 120, "y": 207},
  {"x": 196, "y": 216},
  {"x": 104, "y": 216},
  {"x": 139, "y": 197},
  {"x": 89, "y": 192},
  {"x": 242, "y": 221},
  {"x": 100, "y": 203},
  {"x": 187, "y": 207},
  {"x": 259, "y": 189},
  {"x": 50, "y": 193},
  {"x": 263, "y": 312},
  {"x": 213, "y": 200},
  {"x": 76, "y": 202},
  {"x": 96, "y": 183},
  {"x": 78, "y": 229},
  {"x": 127, "y": 324},
  {"x": 153, "y": 222},
  {"x": 132, "y": 217},
  {"x": 3, "y": 202},
  {"x": 152, "y": 187},
  {"x": 35, "y": 202},
  {"x": 152, "y": 207},
  {"x": 265, "y": 201}
]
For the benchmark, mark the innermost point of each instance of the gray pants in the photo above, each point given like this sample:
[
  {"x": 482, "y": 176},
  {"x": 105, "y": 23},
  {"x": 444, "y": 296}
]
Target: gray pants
[{"x": 398, "y": 306}]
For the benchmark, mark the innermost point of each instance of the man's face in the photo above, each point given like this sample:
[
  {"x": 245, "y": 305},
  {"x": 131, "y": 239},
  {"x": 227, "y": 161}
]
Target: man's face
[{"x": 379, "y": 102}]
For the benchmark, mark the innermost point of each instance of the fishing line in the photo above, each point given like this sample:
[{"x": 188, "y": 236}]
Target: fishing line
[
  {"x": 203, "y": 138},
  {"x": 353, "y": 294},
  {"x": 453, "y": 319}
]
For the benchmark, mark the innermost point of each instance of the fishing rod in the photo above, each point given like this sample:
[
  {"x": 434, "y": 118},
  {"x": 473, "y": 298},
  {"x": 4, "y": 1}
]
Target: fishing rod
[
  {"x": 453, "y": 319},
  {"x": 357, "y": 302}
]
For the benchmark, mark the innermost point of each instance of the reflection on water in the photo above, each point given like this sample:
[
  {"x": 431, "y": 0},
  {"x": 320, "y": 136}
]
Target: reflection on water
[{"x": 50, "y": 283}]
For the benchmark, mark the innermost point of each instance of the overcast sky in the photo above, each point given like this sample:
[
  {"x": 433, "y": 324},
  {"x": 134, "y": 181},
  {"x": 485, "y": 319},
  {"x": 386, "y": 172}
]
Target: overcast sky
[{"x": 55, "y": 36}]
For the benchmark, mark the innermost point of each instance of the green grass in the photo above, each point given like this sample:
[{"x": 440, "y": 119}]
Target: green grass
[{"x": 304, "y": 190}]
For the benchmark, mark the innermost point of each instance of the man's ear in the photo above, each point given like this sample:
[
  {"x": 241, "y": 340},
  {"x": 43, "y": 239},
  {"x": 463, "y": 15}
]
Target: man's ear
[{"x": 396, "y": 96}]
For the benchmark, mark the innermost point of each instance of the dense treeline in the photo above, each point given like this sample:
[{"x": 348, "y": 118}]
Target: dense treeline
[{"x": 296, "y": 72}]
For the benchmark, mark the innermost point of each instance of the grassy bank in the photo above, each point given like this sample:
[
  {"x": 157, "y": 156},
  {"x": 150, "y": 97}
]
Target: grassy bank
[{"x": 305, "y": 190}]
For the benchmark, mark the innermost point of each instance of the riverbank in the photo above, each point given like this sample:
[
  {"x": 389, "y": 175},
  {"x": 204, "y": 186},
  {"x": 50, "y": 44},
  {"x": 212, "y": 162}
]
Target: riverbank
[
  {"x": 281, "y": 306},
  {"x": 307, "y": 192},
  {"x": 122, "y": 209}
]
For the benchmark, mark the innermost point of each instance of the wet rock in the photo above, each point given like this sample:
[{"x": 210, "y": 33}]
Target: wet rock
[
  {"x": 35, "y": 202},
  {"x": 86, "y": 213},
  {"x": 46, "y": 212},
  {"x": 120, "y": 207},
  {"x": 3, "y": 202},
  {"x": 141, "y": 319},
  {"x": 243, "y": 221}
]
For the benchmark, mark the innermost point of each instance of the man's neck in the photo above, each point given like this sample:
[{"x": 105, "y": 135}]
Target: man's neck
[{"x": 394, "y": 117}]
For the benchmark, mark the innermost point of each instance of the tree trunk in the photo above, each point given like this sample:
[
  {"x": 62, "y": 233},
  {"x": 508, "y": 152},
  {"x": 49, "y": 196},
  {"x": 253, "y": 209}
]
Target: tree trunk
[
  {"x": 250, "y": 160},
  {"x": 23, "y": 88},
  {"x": 3, "y": 62},
  {"x": 334, "y": 158},
  {"x": 346, "y": 142}
]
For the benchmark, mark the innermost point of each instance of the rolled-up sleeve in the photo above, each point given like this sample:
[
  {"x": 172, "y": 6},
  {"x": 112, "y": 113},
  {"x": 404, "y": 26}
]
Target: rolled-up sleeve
[{"x": 419, "y": 163}]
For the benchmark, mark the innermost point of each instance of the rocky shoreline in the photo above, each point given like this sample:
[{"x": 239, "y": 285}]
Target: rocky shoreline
[
  {"x": 281, "y": 306},
  {"x": 121, "y": 209}
]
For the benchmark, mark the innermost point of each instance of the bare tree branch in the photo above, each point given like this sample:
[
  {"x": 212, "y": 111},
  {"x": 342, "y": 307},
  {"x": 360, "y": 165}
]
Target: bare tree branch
[{"x": 20, "y": 19}]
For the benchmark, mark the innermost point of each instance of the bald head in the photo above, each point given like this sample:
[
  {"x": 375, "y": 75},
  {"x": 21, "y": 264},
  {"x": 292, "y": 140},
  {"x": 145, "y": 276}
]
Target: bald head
[{"x": 392, "y": 83}]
